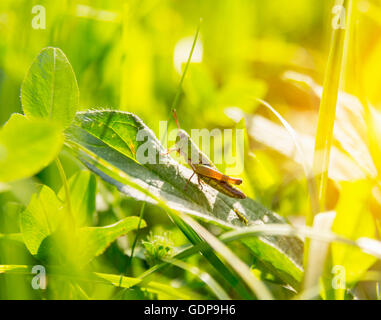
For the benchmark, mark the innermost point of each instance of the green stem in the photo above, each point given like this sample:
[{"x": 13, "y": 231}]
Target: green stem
[
  {"x": 129, "y": 262},
  {"x": 137, "y": 234},
  {"x": 66, "y": 188},
  {"x": 327, "y": 112}
]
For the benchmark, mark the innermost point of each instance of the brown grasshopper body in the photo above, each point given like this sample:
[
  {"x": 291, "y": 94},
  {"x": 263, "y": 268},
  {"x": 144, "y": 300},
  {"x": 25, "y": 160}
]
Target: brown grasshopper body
[{"x": 203, "y": 167}]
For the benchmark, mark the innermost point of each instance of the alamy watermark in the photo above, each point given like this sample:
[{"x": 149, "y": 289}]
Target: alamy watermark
[
  {"x": 39, "y": 280},
  {"x": 338, "y": 20},
  {"x": 223, "y": 141},
  {"x": 39, "y": 20},
  {"x": 338, "y": 280}
]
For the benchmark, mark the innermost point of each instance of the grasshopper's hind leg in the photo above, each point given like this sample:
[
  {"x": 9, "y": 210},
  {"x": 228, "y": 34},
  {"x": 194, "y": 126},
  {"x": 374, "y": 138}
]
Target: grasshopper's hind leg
[
  {"x": 186, "y": 186},
  {"x": 198, "y": 177},
  {"x": 200, "y": 182}
]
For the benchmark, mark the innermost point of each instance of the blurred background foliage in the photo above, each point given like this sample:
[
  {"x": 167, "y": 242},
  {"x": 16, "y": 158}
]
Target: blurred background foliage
[{"x": 128, "y": 55}]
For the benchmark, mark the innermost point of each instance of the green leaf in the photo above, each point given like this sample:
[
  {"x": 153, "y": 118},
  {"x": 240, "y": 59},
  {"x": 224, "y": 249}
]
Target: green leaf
[
  {"x": 27, "y": 146},
  {"x": 41, "y": 218},
  {"x": 164, "y": 291},
  {"x": 82, "y": 187},
  {"x": 107, "y": 142},
  {"x": 50, "y": 89},
  {"x": 94, "y": 241},
  {"x": 211, "y": 256}
]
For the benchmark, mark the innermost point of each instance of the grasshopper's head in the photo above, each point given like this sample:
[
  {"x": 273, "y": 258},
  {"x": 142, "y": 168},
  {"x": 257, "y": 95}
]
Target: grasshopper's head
[
  {"x": 182, "y": 137},
  {"x": 182, "y": 140}
]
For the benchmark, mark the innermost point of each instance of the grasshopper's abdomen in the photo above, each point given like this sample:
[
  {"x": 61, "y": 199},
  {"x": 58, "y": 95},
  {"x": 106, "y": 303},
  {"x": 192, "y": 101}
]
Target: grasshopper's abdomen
[{"x": 224, "y": 188}]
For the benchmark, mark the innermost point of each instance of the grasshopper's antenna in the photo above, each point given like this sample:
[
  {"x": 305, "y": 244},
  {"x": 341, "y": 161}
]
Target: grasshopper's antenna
[
  {"x": 179, "y": 88},
  {"x": 177, "y": 97},
  {"x": 175, "y": 116}
]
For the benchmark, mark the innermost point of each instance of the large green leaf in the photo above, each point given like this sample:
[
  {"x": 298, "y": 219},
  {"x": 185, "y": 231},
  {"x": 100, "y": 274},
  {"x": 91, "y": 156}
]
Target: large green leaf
[
  {"x": 27, "y": 146},
  {"x": 115, "y": 145},
  {"x": 50, "y": 89}
]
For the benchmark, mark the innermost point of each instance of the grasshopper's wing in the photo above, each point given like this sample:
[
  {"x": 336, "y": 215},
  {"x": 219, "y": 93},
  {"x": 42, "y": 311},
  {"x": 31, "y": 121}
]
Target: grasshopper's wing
[
  {"x": 210, "y": 172},
  {"x": 224, "y": 187}
]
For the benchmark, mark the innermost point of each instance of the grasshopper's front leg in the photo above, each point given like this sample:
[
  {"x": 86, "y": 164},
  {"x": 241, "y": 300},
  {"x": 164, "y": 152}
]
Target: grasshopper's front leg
[
  {"x": 191, "y": 165},
  {"x": 169, "y": 151},
  {"x": 198, "y": 176}
]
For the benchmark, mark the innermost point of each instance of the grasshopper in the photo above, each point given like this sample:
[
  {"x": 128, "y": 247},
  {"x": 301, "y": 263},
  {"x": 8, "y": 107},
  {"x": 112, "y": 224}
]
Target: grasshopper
[{"x": 206, "y": 171}]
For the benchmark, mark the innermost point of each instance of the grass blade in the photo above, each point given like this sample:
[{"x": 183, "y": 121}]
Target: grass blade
[
  {"x": 327, "y": 112},
  {"x": 242, "y": 269}
]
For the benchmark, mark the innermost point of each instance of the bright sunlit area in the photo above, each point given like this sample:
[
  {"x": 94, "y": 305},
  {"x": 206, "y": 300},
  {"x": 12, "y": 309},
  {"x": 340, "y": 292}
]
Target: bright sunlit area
[{"x": 190, "y": 150}]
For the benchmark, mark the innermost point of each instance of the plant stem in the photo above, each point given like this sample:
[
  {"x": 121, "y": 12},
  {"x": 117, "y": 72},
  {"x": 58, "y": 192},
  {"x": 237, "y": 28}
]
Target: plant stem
[
  {"x": 137, "y": 234},
  {"x": 66, "y": 188},
  {"x": 327, "y": 112},
  {"x": 334, "y": 77}
]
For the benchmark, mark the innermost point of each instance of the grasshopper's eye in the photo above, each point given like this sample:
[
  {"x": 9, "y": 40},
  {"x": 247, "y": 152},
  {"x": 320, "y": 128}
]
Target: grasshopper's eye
[{"x": 181, "y": 138}]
